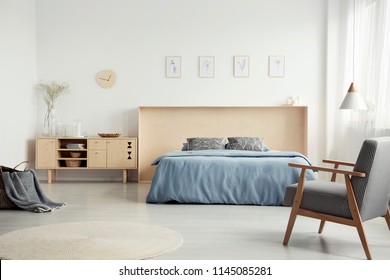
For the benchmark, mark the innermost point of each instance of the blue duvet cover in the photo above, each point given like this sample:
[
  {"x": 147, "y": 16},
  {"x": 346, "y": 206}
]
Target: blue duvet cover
[{"x": 224, "y": 177}]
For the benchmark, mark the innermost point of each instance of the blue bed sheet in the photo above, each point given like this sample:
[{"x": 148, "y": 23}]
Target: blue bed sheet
[{"x": 224, "y": 177}]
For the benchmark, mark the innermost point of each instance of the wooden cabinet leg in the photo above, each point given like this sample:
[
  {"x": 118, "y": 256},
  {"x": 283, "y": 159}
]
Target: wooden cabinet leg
[
  {"x": 124, "y": 175},
  {"x": 49, "y": 176}
]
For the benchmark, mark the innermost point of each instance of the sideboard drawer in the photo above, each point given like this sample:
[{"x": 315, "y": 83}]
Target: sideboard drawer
[{"x": 97, "y": 144}]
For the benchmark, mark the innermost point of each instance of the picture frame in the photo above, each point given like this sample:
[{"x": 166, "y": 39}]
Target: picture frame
[
  {"x": 241, "y": 66},
  {"x": 206, "y": 65},
  {"x": 276, "y": 66},
  {"x": 173, "y": 67}
]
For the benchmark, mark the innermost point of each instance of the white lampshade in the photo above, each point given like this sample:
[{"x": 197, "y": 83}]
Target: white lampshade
[{"x": 353, "y": 100}]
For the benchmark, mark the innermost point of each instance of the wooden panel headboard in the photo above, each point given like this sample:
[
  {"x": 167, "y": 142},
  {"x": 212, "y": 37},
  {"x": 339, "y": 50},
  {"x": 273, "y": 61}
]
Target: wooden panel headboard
[{"x": 165, "y": 129}]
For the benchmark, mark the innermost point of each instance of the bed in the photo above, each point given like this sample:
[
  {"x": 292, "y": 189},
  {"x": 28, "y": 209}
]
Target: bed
[
  {"x": 220, "y": 175},
  {"x": 224, "y": 177}
]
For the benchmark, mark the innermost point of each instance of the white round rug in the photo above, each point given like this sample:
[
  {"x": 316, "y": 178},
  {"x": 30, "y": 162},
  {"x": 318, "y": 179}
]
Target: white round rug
[{"x": 89, "y": 241}]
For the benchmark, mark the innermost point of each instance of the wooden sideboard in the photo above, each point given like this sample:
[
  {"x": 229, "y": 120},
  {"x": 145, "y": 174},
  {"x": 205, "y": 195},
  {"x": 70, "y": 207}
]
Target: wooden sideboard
[{"x": 54, "y": 153}]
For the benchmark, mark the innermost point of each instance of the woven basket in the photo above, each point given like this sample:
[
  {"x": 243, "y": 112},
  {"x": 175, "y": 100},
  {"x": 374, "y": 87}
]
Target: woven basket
[
  {"x": 73, "y": 163},
  {"x": 5, "y": 202}
]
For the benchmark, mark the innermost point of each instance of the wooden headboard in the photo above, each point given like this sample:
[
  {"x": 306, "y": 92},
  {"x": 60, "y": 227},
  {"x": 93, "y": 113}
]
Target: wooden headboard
[{"x": 165, "y": 129}]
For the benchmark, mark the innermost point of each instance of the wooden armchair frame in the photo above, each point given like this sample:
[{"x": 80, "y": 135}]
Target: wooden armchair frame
[{"x": 356, "y": 220}]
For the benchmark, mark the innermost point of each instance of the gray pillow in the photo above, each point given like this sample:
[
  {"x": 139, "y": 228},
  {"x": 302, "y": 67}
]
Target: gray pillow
[
  {"x": 203, "y": 143},
  {"x": 247, "y": 143},
  {"x": 185, "y": 147}
]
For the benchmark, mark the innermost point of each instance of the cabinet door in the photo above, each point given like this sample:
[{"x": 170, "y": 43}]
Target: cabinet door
[
  {"x": 122, "y": 153},
  {"x": 97, "y": 159},
  {"x": 45, "y": 153}
]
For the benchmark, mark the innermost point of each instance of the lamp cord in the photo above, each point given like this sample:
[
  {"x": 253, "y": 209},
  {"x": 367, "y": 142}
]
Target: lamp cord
[{"x": 353, "y": 41}]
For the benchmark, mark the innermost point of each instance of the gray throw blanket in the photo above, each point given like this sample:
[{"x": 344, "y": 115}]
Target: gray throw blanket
[{"x": 23, "y": 189}]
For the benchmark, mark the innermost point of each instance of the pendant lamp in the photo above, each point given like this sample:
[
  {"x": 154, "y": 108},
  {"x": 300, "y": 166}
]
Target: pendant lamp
[{"x": 353, "y": 100}]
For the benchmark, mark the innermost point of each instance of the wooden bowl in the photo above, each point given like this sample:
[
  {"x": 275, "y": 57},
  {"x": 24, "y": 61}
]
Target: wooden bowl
[{"x": 109, "y": 135}]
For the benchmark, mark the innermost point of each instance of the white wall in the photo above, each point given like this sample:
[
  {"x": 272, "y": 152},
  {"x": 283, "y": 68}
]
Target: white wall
[
  {"x": 78, "y": 38},
  {"x": 17, "y": 76}
]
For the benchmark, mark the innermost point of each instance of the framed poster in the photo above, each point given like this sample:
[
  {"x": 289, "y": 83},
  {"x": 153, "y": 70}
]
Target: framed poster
[
  {"x": 206, "y": 66},
  {"x": 241, "y": 66},
  {"x": 276, "y": 65},
  {"x": 173, "y": 67}
]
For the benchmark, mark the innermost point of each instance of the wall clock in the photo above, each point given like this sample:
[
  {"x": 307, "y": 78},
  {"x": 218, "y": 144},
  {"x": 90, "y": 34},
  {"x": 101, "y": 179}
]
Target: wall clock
[{"x": 106, "y": 78}]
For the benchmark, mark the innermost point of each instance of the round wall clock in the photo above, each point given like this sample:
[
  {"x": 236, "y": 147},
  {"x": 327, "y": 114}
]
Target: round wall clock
[{"x": 106, "y": 78}]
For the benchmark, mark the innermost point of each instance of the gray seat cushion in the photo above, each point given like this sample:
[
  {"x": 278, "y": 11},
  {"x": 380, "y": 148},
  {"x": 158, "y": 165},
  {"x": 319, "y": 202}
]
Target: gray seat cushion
[{"x": 321, "y": 196}]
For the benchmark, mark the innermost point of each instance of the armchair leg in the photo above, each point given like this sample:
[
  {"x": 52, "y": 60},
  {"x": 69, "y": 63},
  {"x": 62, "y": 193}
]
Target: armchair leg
[
  {"x": 358, "y": 223},
  {"x": 321, "y": 226},
  {"x": 363, "y": 239},
  {"x": 290, "y": 225},
  {"x": 387, "y": 217},
  {"x": 295, "y": 207}
]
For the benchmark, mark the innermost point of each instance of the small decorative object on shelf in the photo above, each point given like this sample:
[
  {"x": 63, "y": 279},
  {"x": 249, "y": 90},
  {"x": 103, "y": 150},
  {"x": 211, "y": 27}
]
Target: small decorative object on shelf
[
  {"x": 51, "y": 91},
  {"x": 75, "y": 146},
  {"x": 292, "y": 100},
  {"x": 77, "y": 128}
]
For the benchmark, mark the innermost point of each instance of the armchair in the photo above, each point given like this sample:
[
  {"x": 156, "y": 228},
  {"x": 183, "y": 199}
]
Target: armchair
[{"x": 363, "y": 196}]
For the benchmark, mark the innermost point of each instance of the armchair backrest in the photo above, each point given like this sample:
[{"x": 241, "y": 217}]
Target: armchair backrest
[{"x": 373, "y": 192}]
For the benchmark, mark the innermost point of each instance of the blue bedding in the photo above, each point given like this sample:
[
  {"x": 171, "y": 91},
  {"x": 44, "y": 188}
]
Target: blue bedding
[{"x": 224, "y": 177}]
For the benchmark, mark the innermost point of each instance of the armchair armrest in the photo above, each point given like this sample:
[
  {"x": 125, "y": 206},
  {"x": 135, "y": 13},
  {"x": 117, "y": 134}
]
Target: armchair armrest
[
  {"x": 326, "y": 169},
  {"x": 338, "y": 162}
]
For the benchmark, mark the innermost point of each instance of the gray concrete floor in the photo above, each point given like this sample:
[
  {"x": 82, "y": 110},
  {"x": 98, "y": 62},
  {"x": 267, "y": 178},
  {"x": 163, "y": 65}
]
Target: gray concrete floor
[{"x": 210, "y": 232}]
